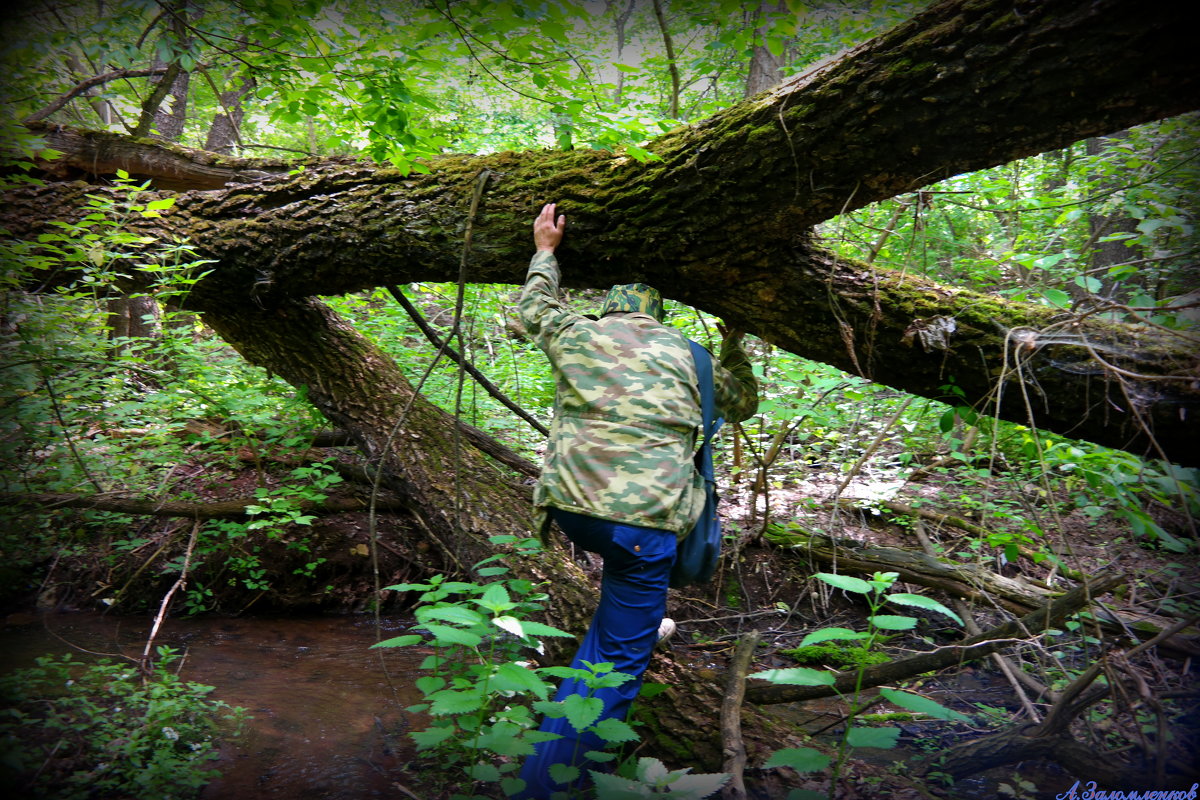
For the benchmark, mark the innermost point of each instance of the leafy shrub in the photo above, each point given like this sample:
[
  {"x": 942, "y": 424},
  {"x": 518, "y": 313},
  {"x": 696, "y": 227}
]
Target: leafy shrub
[
  {"x": 481, "y": 695},
  {"x": 72, "y": 730}
]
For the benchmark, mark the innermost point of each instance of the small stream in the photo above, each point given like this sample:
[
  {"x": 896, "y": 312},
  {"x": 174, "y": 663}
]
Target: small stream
[
  {"x": 327, "y": 711},
  {"x": 328, "y": 719}
]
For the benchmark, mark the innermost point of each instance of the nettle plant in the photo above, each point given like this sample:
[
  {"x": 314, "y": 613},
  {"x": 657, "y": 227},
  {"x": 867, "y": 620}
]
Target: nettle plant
[
  {"x": 483, "y": 695},
  {"x": 875, "y": 591},
  {"x": 72, "y": 729}
]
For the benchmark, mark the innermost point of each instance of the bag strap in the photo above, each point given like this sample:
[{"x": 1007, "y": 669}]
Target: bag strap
[{"x": 709, "y": 420}]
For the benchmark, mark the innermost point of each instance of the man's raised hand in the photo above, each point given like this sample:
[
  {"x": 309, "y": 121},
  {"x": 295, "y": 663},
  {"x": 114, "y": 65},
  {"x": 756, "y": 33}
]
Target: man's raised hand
[{"x": 547, "y": 231}]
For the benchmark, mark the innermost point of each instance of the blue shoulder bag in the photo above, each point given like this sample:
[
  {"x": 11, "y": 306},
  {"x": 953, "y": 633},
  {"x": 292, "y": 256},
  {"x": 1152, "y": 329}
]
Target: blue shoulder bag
[{"x": 697, "y": 555}]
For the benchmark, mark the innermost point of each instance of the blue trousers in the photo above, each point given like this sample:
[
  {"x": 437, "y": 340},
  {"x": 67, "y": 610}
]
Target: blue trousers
[{"x": 624, "y": 630}]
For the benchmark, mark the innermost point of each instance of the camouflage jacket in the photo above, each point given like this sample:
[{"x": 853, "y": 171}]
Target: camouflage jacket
[{"x": 626, "y": 411}]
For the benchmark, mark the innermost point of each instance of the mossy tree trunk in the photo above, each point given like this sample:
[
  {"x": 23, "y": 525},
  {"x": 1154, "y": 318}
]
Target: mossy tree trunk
[
  {"x": 458, "y": 496},
  {"x": 722, "y": 221}
]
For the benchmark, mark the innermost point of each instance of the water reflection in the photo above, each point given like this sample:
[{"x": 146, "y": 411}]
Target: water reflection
[{"x": 328, "y": 711}]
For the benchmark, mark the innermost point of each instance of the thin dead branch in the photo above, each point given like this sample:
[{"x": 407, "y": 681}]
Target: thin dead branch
[{"x": 732, "y": 745}]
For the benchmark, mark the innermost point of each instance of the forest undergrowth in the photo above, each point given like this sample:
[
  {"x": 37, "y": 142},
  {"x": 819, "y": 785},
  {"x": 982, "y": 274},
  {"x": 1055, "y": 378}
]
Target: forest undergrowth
[{"x": 837, "y": 478}]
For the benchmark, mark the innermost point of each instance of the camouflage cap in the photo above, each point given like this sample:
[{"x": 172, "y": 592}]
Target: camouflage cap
[{"x": 634, "y": 298}]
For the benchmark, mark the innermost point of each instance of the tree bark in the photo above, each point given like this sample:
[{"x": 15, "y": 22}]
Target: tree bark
[
  {"x": 225, "y": 132},
  {"x": 721, "y": 220},
  {"x": 458, "y": 496},
  {"x": 766, "y": 69}
]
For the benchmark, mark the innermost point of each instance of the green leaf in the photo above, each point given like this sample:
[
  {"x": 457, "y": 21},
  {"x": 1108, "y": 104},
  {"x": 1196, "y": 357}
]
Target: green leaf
[
  {"x": 509, "y": 625},
  {"x": 510, "y": 677},
  {"x": 883, "y": 738},
  {"x": 450, "y": 613},
  {"x": 427, "y": 684},
  {"x": 801, "y": 759},
  {"x": 889, "y": 622},
  {"x": 483, "y": 771},
  {"x": 922, "y": 705},
  {"x": 614, "y": 787},
  {"x": 159, "y": 205},
  {"x": 432, "y": 737},
  {"x": 846, "y": 582},
  {"x": 613, "y": 731},
  {"x": 651, "y": 770},
  {"x": 1057, "y": 298},
  {"x": 921, "y": 601},
  {"x": 449, "y": 701},
  {"x": 695, "y": 786},
  {"x": 409, "y": 587},
  {"x": 563, "y": 773},
  {"x": 829, "y": 634},
  {"x": 444, "y": 634},
  {"x": 539, "y": 629},
  {"x": 796, "y": 676},
  {"x": 401, "y": 641},
  {"x": 550, "y": 708},
  {"x": 582, "y": 711},
  {"x": 495, "y": 598},
  {"x": 505, "y": 739}
]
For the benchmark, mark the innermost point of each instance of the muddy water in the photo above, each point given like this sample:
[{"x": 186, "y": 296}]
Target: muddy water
[{"x": 328, "y": 719}]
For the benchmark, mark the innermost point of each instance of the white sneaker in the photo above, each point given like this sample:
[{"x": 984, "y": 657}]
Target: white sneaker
[{"x": 666, "y": 629}]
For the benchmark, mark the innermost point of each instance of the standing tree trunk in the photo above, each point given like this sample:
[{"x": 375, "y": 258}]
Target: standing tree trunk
[
  {"x": 766, "y": 69},
  {"x": 225, "y": 132}
]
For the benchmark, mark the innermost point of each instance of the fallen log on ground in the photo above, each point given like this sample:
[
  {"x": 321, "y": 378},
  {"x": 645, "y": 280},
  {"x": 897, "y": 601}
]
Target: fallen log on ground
[
  {"x": 986, "y": 643},
  {"x": 237, "y": 508},
  {"x": 968, "y": 581}
]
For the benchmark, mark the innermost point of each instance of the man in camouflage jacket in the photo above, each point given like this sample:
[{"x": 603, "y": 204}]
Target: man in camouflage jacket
[{"x": 618, "y": 476}]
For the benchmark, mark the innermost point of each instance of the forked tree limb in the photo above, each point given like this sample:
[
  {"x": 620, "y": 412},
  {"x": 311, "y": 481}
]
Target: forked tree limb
[
  {"x": 1051, "y": 738},
  {"x": 85, "y": 85}
]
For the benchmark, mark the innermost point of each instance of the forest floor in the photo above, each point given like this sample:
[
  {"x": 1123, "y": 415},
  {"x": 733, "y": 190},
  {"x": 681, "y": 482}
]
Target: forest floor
[{"x": 767, "y": 588}]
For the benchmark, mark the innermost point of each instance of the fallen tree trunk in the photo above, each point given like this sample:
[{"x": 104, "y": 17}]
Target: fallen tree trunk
[
  {"x": 973, "y": 647},
  {"x": 962, "y": 86},
  {"x": 968, "y": 581},
  {"x": 235, "y": 508}
]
